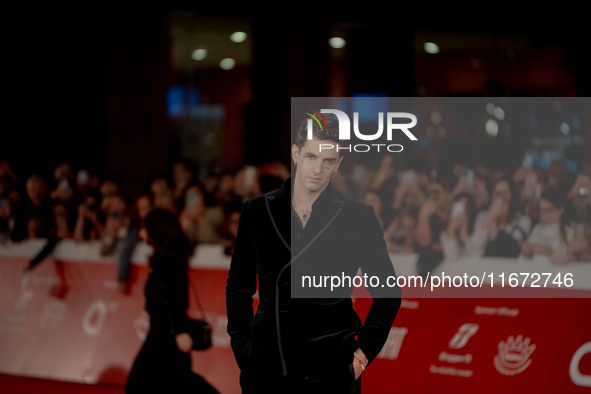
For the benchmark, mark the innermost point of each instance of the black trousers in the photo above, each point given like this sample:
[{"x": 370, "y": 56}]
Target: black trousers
[
  {"x": 333, "y": 379},
  {"x": 161, "y": 368}
]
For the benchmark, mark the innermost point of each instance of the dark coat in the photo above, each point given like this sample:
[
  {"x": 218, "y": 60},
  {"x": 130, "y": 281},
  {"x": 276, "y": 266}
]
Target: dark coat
[{"x": 290, "y": 340}]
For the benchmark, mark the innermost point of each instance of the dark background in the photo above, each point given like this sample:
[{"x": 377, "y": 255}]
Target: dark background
[{"x": 88, "y": 84}]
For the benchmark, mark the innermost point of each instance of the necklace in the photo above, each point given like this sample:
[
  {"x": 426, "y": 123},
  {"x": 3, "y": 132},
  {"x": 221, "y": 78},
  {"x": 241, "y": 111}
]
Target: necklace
[{"x": 304, "y": 217}]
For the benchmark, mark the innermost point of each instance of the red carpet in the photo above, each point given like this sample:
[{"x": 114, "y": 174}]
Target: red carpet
[{"x": 12, "y": 384}]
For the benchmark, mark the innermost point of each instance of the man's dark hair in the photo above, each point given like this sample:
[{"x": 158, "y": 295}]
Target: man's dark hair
[
  {"x": 166, "y": 233},
  {"x": 324, "y": 127}
]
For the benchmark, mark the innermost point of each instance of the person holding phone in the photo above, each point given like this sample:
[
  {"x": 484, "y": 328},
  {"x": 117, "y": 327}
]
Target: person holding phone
[
  {"x": 192, "y": 213},
  {"x": 500, "y": 230},
  {"x": 456, "y": 239},
  {"x": 89, "y": 223},
  {"x": 431, "y": 221},
  {"x": 552, "y": 236}
]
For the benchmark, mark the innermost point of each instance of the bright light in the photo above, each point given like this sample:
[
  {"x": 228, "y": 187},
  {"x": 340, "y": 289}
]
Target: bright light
[
  {"x": 227, "y": 63},
  {"x": 564, "y": 128},
  {"x": 499, "y": 113},
  {"x": 490, "y": 108},
  {"x": 210, "y": 139},
  {"x": 435, "y": 118},
  {"x": 337, "y": 42},
  {"x": 199, "y": 54},
  {"x": 238, "y": 36},
  {"x": 492, "y": 128},
  {"x": 431, "y": 47},
  {"x": 528, "y": 161}
]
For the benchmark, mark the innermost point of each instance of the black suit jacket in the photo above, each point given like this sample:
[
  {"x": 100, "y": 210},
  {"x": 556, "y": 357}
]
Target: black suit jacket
[{"x": 301, "y": 337}]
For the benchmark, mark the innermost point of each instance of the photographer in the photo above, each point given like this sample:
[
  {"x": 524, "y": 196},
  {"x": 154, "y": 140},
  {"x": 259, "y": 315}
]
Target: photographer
[
  {"x": 500, "y": 230},
  {"x": 89, "y": 224}
]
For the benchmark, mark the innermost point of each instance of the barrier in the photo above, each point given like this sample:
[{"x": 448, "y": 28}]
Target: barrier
[{"x": 69, "y": 321}]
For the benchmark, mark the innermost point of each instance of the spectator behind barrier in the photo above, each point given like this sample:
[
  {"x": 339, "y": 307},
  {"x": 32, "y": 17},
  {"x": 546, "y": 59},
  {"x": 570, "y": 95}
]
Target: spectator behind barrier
[
  {"x": 500, "y": 230},
  {"x": 137, "y": 215},
  {"x": 33, "y": 215},
  {"x": 116, "y": 224},
  {"x": 21, "y": 217},
  {"x": 373, "y": 198},
  {"x": 400, "y": 233},
  {"x": 456, "y": 239},
  {"x": 579, "y": 196},
  {"x": 184, "y": 173},
  {"x": 191, "y": 217},
  {"x": 551, "y": 236},
  {"x": 230, "y": 231},
  {"x": 90, "y": 221},
  {"x": 431, "y": 221}
]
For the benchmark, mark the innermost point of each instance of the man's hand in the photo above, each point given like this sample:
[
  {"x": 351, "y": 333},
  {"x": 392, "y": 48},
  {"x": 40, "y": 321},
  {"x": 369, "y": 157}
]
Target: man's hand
[
  {"x": 356, "y": 365},
  {"x": 184, "y": 342}
]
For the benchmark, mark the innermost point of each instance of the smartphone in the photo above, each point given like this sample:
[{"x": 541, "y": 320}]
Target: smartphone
[
  {"x": 250, "y": 173},
  {"x": 406, "y": 176},
  {"x": 83, "y": 177},
  {"x": 457, "y": 209},
  {"x": 469, "y": 176}
]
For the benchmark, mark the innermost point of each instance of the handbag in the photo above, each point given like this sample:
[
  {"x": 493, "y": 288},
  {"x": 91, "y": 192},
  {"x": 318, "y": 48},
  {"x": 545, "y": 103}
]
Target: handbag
[{"x": 198, "y": 329}]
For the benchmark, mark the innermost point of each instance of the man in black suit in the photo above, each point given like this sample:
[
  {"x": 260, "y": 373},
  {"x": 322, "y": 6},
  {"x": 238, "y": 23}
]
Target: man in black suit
[{"x": 306, "y": 339}]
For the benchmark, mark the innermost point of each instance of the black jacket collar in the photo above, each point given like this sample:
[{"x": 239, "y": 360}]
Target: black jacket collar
[{"x": 326, "y": 206}]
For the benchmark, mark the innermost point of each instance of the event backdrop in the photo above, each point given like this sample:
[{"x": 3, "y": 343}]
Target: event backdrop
[{"x": 68, "y": 320}]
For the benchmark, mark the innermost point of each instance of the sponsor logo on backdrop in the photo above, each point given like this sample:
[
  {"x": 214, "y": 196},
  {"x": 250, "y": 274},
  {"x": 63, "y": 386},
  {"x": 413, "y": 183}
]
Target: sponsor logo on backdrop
[
  {"x": 514, "y": 355},
  {"x": 451, "y": 371},
  {"x": 53, "y": 313},
  {"x": 409, "y": 304},
  {"x": 465, "y": 332},
  {"x": 455, "y": 358},
  {"x": 391, "y": 348},
  {"x": 458, "y": 341},
  {"x": 501, "y": 311},
  {"x": 575, "y": 373}
]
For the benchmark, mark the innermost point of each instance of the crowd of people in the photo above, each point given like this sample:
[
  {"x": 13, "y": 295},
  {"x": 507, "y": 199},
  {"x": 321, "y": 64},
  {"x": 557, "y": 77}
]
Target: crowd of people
[
  {"x": 85, "y": 206},
  {"x": 438, "y": 215},
  {"x": 472, "y": 210}
]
